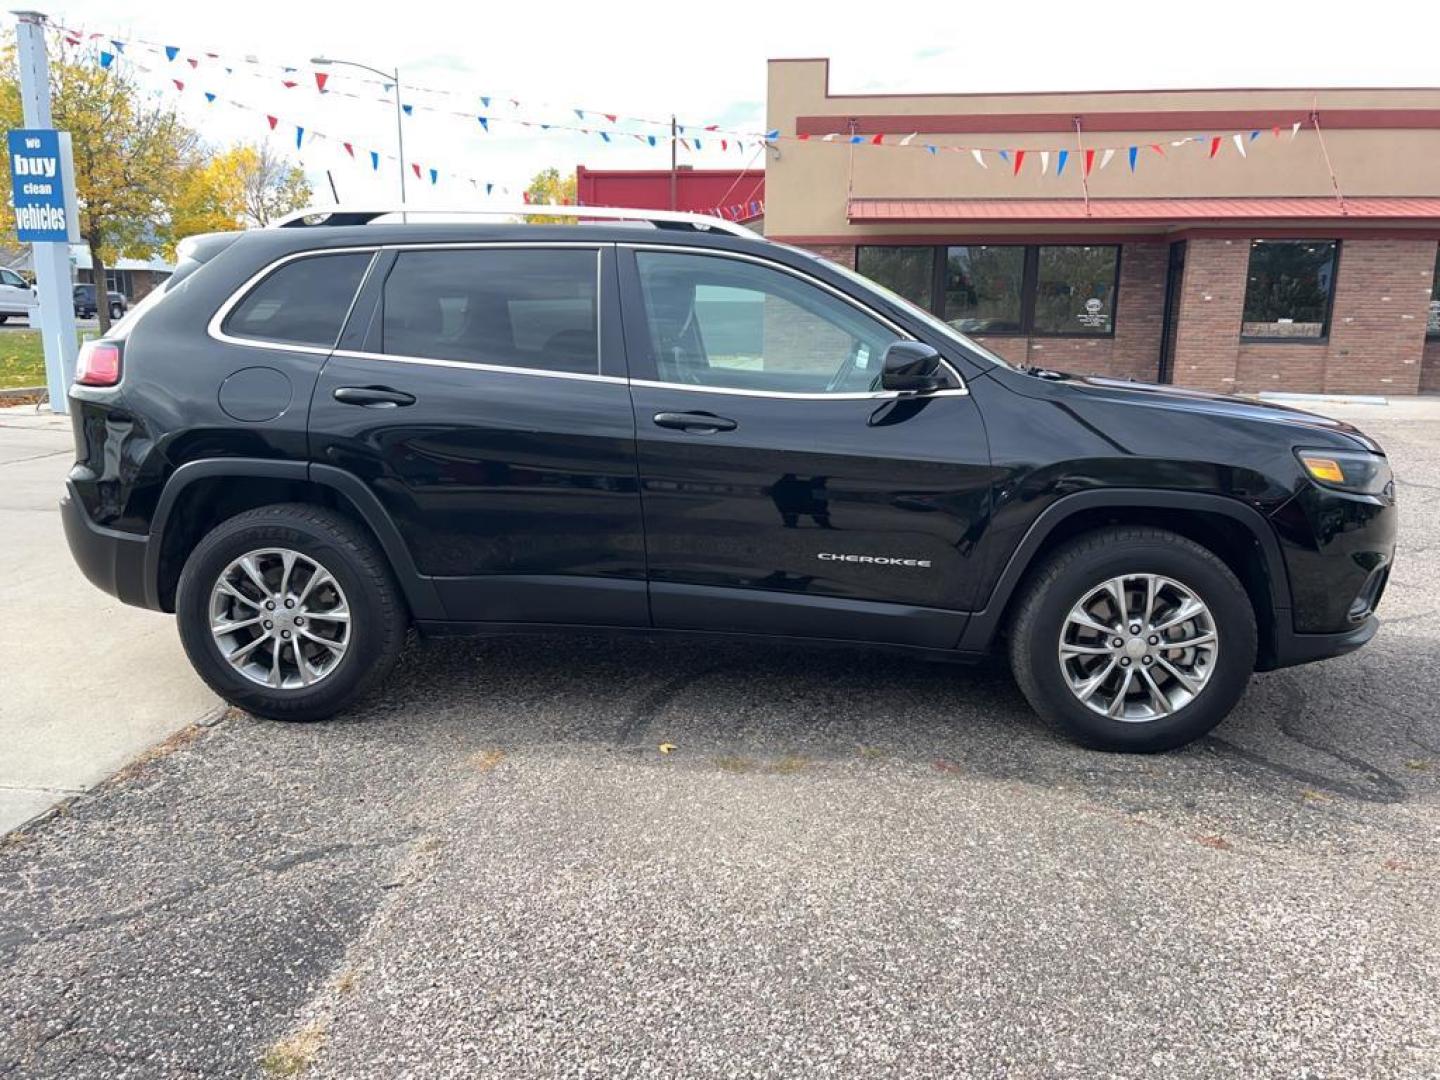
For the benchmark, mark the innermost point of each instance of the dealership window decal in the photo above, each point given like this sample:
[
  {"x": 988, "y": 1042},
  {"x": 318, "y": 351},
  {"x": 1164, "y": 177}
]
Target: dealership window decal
[
  {"x": 1043, "y": 290},
  {"x": 1289, "y": 286}
]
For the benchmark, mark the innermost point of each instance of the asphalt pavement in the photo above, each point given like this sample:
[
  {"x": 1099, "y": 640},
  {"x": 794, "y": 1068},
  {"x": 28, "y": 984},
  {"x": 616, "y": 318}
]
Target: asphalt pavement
[{"x": 592, "y": 857}]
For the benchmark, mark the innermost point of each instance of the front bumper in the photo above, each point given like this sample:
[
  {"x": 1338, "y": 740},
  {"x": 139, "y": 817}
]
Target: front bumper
[
  {"x": 1292, "y": 648},
  {"x": 112, "y": 560}
]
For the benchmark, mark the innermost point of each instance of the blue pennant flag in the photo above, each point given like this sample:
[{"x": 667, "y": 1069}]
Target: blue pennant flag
[
  {"x": 1254, "y": 135},
  {"x": 209, "y": 97},
  {"x": 484, "y": 122},
  {"x": 489, "y": 188},
  {"x": 171, "y": 51},
  {"x": 580, "y": 114},
  {"x": 375, "y": 160},
  {"x": 930, "y": 148},
  {"x": 485, "y": 101},
  {"x": 1004, "y": 155},
  {"x": 773, "y": 135},
  {"x": 697, "y": 144},
  {"x": 680, "y": 128},
  {"x": 1060, "y": 164},
  {"x": 119, "y": 45},
  {"x": 604, "y": 136},
  {"x": 1132, "y": 158},
  {"x": 650, "y": 139},
  {"x": 544, "y": 127},
  {"x": 299, "y": 136},
  {"x": 857, "y": 138},
  {"x": 229, "y": 71},
  {"x": 409, "y": 109},
  {"x": 106, "y": 59},
  {"x": 388, "y": 86},
  {"x": 434, "y": 175}
]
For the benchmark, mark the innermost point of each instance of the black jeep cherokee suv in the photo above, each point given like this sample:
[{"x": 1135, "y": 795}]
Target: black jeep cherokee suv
[{"x": 317, "y": 436}]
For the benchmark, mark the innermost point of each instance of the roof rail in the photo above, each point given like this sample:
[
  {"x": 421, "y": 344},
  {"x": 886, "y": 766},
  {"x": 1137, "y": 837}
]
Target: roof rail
[{"x": 318, "y": 216}]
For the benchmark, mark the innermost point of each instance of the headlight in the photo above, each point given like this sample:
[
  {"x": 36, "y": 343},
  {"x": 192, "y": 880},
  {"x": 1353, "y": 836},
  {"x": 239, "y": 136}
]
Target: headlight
[{"x": 1348, "y": 470}]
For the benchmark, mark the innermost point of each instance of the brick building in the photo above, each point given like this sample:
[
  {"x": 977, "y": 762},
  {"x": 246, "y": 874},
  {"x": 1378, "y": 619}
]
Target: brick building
[{"x": 1218, "y": 253}]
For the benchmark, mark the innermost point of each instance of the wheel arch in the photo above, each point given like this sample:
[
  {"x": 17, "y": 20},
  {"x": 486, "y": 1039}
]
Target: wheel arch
[
  {"x": 1237, "y": 533},
  {"x": 201, "y": 494}
]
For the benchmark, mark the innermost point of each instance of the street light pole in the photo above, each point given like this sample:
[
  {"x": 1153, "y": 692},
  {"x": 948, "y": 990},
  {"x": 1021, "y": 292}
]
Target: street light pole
[{"x": 394, "y": 77}]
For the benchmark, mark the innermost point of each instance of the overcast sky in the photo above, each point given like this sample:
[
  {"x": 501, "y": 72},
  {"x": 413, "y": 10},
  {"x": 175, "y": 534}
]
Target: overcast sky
[{"x": 707, "y": 64}]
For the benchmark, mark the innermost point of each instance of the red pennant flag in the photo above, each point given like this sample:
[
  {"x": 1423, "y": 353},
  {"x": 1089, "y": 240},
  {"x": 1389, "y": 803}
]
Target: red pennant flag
[
  {"x": 724, "y": 144},
  {"x": 192, "y": 61},
  {"x": 349, "y": 149},
  {"x": 878, "y": 140},
  {"x": 1089, "y": 161},
  {"x": 803, "y": 136},
  {"x": 1215, "y": 146},
  {"x": 1157, "y": 148},
  {"x": 273, "y": 121},
  {"x": 1019, "y": 160},
  {"x": 1276, "y": 130},
  {"x": 416, "y": 167},
  {"x": 611, "y": 117},
  {"x": 320, "y": 80},
  {"x": 178, "y": 84},
  {"x": 526, "y": 196},
  {"x": 289, "y": 84}
]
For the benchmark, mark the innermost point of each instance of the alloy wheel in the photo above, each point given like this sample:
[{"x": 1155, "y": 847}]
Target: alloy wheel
[
  {"x": 280, "y": 618},
  {"x": 1138, "y": 647}
]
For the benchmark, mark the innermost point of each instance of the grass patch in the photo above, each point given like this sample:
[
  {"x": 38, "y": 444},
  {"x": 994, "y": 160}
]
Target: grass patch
[
  {"x": 22, "y": 358},
  {"x": 293, "y": 1054}
]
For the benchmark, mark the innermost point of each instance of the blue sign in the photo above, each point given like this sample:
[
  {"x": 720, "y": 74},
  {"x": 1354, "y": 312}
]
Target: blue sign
[{"x": 38, "y": 171}]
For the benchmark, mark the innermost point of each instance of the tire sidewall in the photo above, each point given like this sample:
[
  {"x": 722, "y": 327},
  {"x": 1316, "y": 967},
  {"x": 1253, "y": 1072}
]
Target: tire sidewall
[
  {"x": 1215, "y": 587},
  {"x": 192, "y": 610}
]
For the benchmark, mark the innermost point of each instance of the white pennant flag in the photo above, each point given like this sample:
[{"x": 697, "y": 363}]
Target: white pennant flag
[
  {"x": 1044, "y": 161},
  {"x": 979, "y": 158},
  {"x": 1295, "y": 129},
  {"x": 1105, "y": 157},
  {"x": 906, "y": 140},
  {"x": 829, "y": 138},
  {"x": 1178, "y": 142},
  {"x": 1239, "y": 143}
]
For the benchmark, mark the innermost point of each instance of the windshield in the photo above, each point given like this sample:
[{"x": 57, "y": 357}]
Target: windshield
[{"x": 939, "y": 325}]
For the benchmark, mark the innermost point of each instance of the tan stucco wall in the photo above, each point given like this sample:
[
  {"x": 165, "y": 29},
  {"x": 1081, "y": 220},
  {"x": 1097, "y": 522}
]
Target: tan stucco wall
[{"x": 807, "y": 183}]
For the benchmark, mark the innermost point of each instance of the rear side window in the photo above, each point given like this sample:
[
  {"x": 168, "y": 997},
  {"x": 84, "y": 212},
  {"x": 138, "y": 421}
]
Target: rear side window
[
  {"x": 303, "y": 302},
  {"x": 528, "y": 308}
]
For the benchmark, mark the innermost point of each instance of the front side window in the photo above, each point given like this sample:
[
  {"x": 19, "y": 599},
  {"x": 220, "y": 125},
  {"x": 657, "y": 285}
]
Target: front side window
[
  {"x": 9, "y": 277},
  {"x": 1432, "y": 327},
  {"x": 1288, "y": 289},
  {"x": 527, "y": 308},
  {"x": 983, "y": 287},
  {"x": 1075, "y": 289},
  {"x": 303, "y": 302},
  {"x": 733, "y": 324}
]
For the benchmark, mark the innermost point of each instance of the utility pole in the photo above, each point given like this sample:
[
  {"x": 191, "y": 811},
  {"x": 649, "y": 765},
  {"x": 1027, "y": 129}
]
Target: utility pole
[
  {"x": 674, "y": 175},
  {"x": 51, "y": 259}
]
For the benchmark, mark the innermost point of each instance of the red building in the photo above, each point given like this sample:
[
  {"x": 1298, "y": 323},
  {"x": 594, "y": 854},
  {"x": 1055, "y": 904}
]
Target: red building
[{"x": 737, "y": 194}]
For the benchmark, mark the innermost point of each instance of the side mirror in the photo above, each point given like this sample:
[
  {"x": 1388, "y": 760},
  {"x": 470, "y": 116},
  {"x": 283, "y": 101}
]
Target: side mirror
[{"x": 911, "y": 365}]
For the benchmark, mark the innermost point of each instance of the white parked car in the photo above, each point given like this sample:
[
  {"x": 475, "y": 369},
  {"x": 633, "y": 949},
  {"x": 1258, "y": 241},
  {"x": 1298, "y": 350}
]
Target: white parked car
[{"x": 17, "y": 296}]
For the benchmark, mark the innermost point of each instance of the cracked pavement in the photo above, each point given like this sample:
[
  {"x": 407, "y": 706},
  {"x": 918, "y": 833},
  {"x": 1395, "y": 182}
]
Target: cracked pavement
[{"x": 851, "y": 864}]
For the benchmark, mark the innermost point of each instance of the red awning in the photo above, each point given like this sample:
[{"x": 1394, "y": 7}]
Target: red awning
[{"x": 1138, "y": 211}]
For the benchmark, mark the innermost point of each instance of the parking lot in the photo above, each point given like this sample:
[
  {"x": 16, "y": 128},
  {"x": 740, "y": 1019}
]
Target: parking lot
[{"x": 544, "y": 856}]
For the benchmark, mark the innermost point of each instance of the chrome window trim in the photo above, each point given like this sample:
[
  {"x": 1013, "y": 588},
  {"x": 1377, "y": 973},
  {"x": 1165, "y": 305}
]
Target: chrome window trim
[
  {"x": 217, "y": 321},
  {"x": 743, "y": 256},
  {"x": 375, "y": 250}
]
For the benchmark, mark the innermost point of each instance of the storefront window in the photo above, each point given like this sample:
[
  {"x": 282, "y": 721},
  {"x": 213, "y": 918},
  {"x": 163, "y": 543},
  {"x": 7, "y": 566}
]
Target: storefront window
[
  {"x": 1288, "y": 289},
  {"x": 1433, "y": 326},
  {"x": 909, "y": 271},
  {"x": 1075, "y": 290},
  {"x": 983, "y": 287}
]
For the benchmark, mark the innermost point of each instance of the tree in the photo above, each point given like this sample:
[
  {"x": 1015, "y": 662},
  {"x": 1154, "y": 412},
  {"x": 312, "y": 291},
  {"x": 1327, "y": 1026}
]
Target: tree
[
  {"x": 209, "y": 197},
  {"x": 272, "y": 186},
  {"x": 131, "y": 157},
  {"x": 548, "y": 187}
]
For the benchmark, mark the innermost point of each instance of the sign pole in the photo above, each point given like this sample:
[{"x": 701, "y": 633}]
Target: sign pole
[{"x": 51, "y": 258}]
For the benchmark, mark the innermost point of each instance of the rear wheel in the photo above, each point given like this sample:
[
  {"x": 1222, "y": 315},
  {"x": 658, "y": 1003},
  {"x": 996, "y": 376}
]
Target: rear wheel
[
  {"x": 289, "y": 612},
  {"x": 1133, "y": 639}
]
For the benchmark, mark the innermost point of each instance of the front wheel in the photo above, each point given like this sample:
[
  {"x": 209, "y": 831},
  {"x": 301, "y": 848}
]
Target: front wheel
[
  {"x": 116, "y": 311},
  {"x": 1133, "y": 639},
  {"x": 289, "y": 612}
]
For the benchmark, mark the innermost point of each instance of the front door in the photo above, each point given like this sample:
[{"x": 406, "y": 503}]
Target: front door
[
  {"x": 479, "y": 391},
  {"x": 782, "y": 491}
]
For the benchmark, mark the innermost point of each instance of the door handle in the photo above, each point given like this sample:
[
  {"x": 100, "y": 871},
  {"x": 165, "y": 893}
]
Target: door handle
[
  {"x": 373, "y": 397},
  {"x": 702, "y": 423}
]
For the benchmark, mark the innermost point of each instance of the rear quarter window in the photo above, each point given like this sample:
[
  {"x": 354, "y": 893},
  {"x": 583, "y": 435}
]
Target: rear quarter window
[{"x": 303, "y": 302}]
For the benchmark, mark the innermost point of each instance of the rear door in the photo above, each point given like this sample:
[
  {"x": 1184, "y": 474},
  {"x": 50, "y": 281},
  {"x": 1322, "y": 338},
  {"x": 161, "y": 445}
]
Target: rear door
[
  {"x": 783, "y": 490},
  {"x": 479, "y": 392}
]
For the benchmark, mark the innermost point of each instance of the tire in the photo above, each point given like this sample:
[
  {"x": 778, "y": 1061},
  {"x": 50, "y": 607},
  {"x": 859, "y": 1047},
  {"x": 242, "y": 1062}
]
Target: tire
[
  {"x": 377, "y": 619},
  {"x": 1077, "y": 573},
  {"x": 116, "y": 312},
  {"x": 3, "y": 318}
]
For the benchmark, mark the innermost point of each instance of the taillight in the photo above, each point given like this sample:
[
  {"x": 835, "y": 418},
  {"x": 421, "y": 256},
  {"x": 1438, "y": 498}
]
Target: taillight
[{"x": 99, "y": 364}]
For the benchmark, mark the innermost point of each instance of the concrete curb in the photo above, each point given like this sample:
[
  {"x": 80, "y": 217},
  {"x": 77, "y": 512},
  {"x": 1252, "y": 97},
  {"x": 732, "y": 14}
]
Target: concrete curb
[{"x": 17, "y": 392}]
